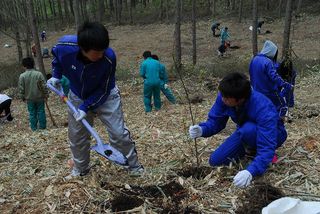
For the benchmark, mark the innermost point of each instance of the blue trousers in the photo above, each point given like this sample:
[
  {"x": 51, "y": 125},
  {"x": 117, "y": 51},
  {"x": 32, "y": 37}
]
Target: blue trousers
[{"x": 234, "y": 146}]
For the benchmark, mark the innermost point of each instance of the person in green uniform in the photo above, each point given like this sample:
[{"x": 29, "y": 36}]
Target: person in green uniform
[
  {"x": 164, "y": 82},
  {"x": 151, "y": 72}
]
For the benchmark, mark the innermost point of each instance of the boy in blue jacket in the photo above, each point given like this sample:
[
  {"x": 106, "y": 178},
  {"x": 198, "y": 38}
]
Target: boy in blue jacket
[
  {"x": 258, "y": 127},
  {"x": 265, "y": 79},
  {"x": 90, "y": 65}
]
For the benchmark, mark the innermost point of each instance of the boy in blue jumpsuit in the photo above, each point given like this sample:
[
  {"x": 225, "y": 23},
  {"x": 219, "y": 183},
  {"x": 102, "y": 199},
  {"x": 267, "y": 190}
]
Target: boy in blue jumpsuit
[
  {"x": 164, "y": 82},
  {"x": 152, "y": 73},
  {"x": 258, "y": 127},
  {"x": 265, "y": 79},
  {"x": 90, "y": 65}
]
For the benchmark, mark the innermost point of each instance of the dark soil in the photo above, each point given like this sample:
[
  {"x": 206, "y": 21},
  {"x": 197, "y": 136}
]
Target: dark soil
[
  {"x": 195, "y": 172},
  {"x": 257, "y": 197}
]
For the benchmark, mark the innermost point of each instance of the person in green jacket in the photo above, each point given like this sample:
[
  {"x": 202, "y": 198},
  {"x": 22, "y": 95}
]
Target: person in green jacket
[
  {"x": 164, "y": 82},
  {"x": 33, "y": 90},
  {"x": 151, "y": 72}
]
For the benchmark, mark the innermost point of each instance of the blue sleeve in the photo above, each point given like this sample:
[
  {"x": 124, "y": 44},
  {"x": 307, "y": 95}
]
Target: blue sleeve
[
  {"x": 98, "y": 97},
  {"x": 266, "y": 140},
  {"x": 217, "y": 119},
  {"x": 143, "y": 70},
  {"x": 291, "y": 94},
  {"x": 56, "y": 65},
  {"x": 274, "y": 76}
]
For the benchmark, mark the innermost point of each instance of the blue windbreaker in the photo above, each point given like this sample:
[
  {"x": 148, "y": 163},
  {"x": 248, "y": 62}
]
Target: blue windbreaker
[
  {"x": 91, "y": 82},
  {"x": 264, "y": 77},
  {"x": 257, "y": 109}
]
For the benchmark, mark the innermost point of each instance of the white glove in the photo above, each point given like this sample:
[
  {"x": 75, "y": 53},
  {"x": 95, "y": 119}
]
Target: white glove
[
  {"x": 55, "y": 82},
  {"x": 165, "y": 86},
  {"x": 242, "y": 179},
  {"x": 79, "y": 115},
  {"x": 195, "y": 131}
]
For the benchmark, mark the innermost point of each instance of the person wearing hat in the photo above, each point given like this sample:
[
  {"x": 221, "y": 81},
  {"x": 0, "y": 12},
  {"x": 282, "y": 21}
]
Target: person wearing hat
[{"x": 265, "y": 79}]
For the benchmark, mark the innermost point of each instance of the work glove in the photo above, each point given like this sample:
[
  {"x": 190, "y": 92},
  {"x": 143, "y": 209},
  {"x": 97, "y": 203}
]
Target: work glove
[
  {"x": 195, "y": 131},
  {"x": 79, "y": 115},
  {"x": 55, "y": 82},
  {"x": 165, "y": 86},
  {"x": 242, "y": 179}
]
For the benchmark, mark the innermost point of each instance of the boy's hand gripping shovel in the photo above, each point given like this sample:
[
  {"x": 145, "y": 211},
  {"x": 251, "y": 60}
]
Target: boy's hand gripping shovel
[{"x": 105, "y": 150}]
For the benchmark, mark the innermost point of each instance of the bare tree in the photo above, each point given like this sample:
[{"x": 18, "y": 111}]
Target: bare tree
[
  {"x": 286, "y": 32},
  {"x": 280, "y": 8},
  {"x": 194, "y": 33},
  {"x": 214, "y": 8},
  {"x": 34, "y": 28},
  {"x": 299, "y": 6},
  {"x": 254, "y": 27},
  {"x": 177, "y": 34},
  {"x": 100, "y": 16},
  {"x": 76, "y": 9},
  {"x": 240, "y": 10}
]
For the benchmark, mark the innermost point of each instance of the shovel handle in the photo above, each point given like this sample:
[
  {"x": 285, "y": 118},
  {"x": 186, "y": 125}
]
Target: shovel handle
[{"x": 71, "y": 106}]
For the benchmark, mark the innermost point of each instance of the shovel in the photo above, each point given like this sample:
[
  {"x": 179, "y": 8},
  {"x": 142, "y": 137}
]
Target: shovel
[{"x": 102, "y": 149}]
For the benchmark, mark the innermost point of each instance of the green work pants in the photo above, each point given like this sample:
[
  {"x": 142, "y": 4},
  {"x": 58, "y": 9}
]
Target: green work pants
[
  {"x": 168, "y": 93},
  {"x": 37, "y": 115},
  {"x": 150, "y": 91}
]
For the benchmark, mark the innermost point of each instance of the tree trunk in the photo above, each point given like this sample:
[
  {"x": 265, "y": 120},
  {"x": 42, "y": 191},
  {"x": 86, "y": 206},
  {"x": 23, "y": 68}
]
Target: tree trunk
[
  {"x": 161, "y": 11},
  {"x": 60, "y": 12},
  {"x": 46, "y": 13},
  {"x": 100, "y": 16},
  {"x": 76, "y": 9},
  {"x": 267, "y": 4},
  {"x": 214, "y": 8},
  {"x": 286, "y": 32},
  {"x": 19, "y": 48},
  {"x": 177, "y": 34},
  {"x": 240, "y": 10},
  {"x": 254, "y": 27},
  {"x": 130, "y": 11},
  {"x": 71, "y": 6},
  {"x": 233, "y": 5},
  {"x": 66, "y": 11},
  {"x": 299, "y": 6},
  {"x": 167, "y": 10},
  {"x": 34, "y": 28},
  {"x": 194, "y": 33},
  {"x": 280, "y": 8}
]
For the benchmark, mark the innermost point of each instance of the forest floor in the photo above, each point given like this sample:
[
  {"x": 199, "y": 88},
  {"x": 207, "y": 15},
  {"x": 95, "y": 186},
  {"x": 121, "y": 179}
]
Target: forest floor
[{"x": 33, "y": 164}]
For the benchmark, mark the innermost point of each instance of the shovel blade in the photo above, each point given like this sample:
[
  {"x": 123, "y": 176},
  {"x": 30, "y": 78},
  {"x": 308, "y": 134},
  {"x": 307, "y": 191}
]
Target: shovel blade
[{"x": 111, "y": 154}]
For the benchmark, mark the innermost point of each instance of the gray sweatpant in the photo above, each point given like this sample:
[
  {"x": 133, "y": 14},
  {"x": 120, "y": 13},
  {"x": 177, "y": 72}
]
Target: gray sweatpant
[{"x": 111, "y": 115}]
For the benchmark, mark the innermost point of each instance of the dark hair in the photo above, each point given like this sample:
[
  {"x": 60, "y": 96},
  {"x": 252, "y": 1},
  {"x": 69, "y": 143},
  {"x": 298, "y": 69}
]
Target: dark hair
[
  {"x": 235, "y": 85},
  {"x": 93, "y": 36},
  {"x": 28, "y": 62},
  {"x": 146, "y": 54},
  {"x": 155, "y": 57},
  {"x": 275, "y": 56},
  {"x": 285, "y": 70},
  {"x": 226, "y": 28}
]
